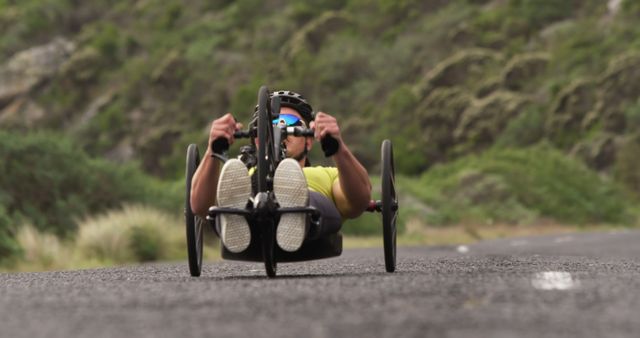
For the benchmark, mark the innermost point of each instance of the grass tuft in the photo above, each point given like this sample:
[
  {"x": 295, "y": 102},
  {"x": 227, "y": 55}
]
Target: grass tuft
[{"x": 134, "y": 233}]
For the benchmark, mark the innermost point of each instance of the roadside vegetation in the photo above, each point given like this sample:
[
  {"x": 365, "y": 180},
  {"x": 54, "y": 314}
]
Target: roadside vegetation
[{"x": 515, "y": 114}]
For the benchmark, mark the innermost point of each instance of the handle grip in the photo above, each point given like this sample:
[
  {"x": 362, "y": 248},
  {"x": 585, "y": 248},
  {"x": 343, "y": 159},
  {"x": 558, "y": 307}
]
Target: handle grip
[
  {"x": 221, "y": 144},
  {"x": 329, "y": 145}
]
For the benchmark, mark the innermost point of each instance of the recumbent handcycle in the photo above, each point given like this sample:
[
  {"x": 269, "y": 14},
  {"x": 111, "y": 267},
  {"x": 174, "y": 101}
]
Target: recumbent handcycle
[{"x": 265, "y": 155}]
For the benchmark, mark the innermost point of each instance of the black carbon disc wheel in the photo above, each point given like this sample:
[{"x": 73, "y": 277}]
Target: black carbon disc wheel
[
  {"x": 268, "y": 249},
  {"x": 264, "y": 139},
  {"x": 389, "y": 206},
  {"x": 194, "y": 224},
  {"x": 264, "y": 170}
]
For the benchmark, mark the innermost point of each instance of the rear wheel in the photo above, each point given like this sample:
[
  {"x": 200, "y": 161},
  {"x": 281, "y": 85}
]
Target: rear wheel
[
  {"x": 194, "y": 224},
  {"x": 389, "y": 206},
  {"x": 265, "y": 168}
]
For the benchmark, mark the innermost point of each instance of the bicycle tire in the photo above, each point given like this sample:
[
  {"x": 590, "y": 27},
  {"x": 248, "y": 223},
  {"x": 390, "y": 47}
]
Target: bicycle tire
[
  {"x": 264, "y": 170},
  {"x": 389, "y": 206},
  {"x": 194, "y": 223}
]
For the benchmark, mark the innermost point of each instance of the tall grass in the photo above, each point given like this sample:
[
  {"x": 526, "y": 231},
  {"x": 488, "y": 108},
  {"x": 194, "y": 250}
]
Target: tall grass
[
  {"x": 42, "y": 251},
  {"x": 134, "y": 233}
]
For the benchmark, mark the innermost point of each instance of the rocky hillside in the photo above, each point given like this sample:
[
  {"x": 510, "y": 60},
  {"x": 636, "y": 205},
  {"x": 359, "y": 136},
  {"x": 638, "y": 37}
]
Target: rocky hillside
[{"x": 139, "y": 80}]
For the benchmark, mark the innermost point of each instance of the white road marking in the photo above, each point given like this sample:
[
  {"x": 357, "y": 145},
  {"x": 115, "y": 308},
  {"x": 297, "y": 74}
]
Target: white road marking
[
  {"x": 554, "y": 280},
  {"x": 518, "y": 242},
  {"x": 462, "y": 249},
  {"x": 563, "y": 239}
]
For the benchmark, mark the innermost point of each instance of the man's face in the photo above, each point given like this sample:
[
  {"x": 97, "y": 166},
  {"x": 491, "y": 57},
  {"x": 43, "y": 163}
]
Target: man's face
[{"x": 295, "y": 144}]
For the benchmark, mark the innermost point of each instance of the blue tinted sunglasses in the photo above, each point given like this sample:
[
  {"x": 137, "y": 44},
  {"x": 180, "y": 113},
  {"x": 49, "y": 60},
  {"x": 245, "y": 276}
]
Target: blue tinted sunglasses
[{"x": 288, "y": 120}]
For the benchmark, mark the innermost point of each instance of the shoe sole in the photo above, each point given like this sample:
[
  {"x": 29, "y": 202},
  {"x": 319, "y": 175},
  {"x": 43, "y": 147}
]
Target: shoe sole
[
  {"x": 234, "y": 189},
  {"x": 291, "y": 190}
]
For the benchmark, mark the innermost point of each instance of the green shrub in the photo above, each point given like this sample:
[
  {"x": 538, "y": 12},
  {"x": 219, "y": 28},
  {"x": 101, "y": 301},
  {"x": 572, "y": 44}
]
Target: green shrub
[
  {"x": 524, "y": 130},
  {"x": 107, "y": 39},
  {"x": 367, "y": 224},
  {"x": 627, "y": 164},
  {"x": 131, "y": 234},
  {"x": 41, "y": 250},
  {"x": 401, "y": 127},
  {"x": 537, "y": 13},
  {"x": 631, "y": 8},
  {"x": 632, "y": 116},
  {"x": 146, "y": 243},
  {"x": 516, "y": 185},
  {"x": 49, "y": 181},
  {"x": 9, "y": 248}
]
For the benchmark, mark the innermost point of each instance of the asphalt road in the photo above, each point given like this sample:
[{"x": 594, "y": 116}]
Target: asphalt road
[{"x": 585, "y": 285}]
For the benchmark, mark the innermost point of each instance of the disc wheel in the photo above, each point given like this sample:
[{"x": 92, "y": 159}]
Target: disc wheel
[
  {"x": 265, "y": 141},
  {"x": 266, "y": 166},
  {"x": 389, "y": 206},
  {"x": 268, "y": 249},
  {"x": 194, "y": 224}
]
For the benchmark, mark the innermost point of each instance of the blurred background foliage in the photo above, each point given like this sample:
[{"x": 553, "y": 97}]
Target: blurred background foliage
[{"x": 500, "y": 111}]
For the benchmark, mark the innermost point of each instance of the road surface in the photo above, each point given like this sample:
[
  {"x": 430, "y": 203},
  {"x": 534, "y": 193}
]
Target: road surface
[{"x": 580, "y": 285}]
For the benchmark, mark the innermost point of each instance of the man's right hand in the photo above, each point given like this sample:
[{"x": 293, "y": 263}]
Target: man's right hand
[{"x": 224, "y": 127}]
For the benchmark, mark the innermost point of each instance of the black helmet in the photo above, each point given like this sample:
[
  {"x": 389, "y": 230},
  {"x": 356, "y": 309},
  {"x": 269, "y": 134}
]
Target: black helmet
[
  {"x": 296, "y": 101},
  {"x": 293, "y": 100}
]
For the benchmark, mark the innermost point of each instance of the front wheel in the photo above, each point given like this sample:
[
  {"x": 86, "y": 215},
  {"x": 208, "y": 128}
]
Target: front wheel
[
  {"x": 194, "y": 223},
  {"x": 389, "y": 206},
  {"x": 268, "y": 249},
  {"x": 265, "y": 168}
]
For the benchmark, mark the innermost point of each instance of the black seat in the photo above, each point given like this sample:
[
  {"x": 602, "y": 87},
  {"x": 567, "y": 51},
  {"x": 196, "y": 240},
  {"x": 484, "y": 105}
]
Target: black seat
[{"x": 323, "y": 247}]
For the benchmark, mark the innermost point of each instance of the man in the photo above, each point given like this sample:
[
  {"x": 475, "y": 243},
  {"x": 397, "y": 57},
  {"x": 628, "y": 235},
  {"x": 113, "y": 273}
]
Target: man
[{"x": 337, "y": 192}]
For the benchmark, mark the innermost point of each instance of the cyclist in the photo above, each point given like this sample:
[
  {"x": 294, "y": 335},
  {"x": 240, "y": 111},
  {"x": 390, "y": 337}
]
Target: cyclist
[{"x": 337, "y": 192}]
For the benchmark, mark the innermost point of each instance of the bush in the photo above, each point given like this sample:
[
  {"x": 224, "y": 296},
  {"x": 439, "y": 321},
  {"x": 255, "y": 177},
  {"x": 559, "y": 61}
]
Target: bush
[
  {"x": 524, "y": 130},
  {"x": 626, "y": 168},
  {"x": 146, "y": 243},
  {"x": 402, "y": 129},
  {"x": 537, "y": 13},
  {"x": 518, "y": 185},
  {"x": 48, "y": 181},
  {"x": 134, "y": 233},
  {"x": 9, "y": 248},
  {"x": 42, "y": 251}
]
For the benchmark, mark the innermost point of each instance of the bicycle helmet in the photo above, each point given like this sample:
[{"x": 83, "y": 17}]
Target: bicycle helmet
[{"x": 292, "y": 100}]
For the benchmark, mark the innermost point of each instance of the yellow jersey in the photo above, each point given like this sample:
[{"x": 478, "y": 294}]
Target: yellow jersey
[{"x": 321, "y": 180}]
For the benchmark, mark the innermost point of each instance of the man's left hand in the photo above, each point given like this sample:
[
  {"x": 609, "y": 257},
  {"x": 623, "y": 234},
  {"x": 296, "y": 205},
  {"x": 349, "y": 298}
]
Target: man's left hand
[{"x": 325, "y": 124}]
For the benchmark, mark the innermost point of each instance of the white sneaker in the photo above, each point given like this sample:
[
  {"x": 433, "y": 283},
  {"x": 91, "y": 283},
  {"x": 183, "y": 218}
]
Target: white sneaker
[
  {"x": 291, "y": 190},
  {"x": 234, "y": 190}
]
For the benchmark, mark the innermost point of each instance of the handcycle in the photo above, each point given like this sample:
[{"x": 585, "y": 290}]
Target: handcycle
[{"x": 265, "y": 153}]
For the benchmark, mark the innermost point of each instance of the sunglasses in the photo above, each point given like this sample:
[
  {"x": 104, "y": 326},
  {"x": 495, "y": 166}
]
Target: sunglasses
[{"x": 288, "y": 120}]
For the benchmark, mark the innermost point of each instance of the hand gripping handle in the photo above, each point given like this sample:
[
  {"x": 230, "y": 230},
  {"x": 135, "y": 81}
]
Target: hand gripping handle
[
  {"x": 329, "y": 145},
  {"x": 221, "y": 144}
]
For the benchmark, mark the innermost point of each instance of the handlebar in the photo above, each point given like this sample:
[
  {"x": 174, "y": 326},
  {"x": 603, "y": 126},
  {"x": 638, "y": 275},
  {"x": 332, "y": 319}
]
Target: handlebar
[
  {"x": 329, "y": 144},
  {"x": 221, "y": 144}
]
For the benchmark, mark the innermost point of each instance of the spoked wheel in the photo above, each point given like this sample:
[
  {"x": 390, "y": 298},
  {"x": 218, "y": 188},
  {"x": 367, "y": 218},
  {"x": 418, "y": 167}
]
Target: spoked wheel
[
  {"x": 195, "y": 224},
  {"x": 389, "y": 206},
  {"x": 266, "y": 166}
]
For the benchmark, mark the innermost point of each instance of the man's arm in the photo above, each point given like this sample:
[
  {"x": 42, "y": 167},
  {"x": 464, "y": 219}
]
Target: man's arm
[
  {"x": 204, "y": 183},
  {"x": 352, "y": 191}
]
